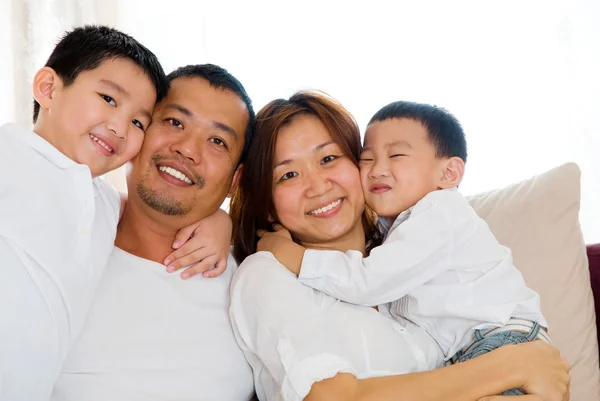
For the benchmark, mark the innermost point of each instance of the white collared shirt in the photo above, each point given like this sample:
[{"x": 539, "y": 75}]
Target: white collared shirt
[
  {"x": 294, "y": 336},
  {"x": 440, "y": 266},
  {"x": 57, "y": 229},
  {"x": 151, "y": 336}
]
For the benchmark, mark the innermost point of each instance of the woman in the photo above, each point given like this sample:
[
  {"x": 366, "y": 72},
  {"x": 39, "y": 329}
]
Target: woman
[{"x": 302, "y": 172}]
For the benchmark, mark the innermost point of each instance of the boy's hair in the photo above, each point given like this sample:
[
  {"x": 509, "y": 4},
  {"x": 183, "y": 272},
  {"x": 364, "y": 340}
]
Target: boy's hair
[
  {"x": 85, "y": 48},
  {"x": 445, "y": 131},
  {"x": 220, "y": 78}
]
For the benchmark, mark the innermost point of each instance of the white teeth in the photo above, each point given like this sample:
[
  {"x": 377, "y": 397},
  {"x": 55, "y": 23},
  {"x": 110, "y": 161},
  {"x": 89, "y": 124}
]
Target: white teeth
[
  {"x": 101, "y": 142},
  {"x": 175, "y": 173},
  {"x": 326, "y": 208}
]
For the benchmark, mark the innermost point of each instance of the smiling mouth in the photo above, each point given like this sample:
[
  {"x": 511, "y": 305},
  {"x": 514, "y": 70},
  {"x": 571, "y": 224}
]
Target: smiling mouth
[
  {"x": 378, "y": 189},
  {"x": 175, "y": 173},
  {"x": 324, "y": 209},
  {"x": 102, "y": 143}
]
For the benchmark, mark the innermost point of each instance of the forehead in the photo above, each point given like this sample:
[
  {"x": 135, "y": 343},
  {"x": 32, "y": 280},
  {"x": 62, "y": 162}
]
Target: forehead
[
  {"x": 301, "y": 135},
  {"x": 396, "y": 129},
  {"x": 208, "y": 103},
  {"x": 123, "y": 70}
]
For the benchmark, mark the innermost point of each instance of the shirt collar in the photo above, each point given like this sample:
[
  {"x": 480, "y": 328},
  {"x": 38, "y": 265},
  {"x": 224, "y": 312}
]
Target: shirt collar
[{"x": 40, "y": 145}]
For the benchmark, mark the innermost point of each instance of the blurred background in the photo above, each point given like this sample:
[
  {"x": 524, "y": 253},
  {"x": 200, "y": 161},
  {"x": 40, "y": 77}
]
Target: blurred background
[{"x": 521, "y": 76}]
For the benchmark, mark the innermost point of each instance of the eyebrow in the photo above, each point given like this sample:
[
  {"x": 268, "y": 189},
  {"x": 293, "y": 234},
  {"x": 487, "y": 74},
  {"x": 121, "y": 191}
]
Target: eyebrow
[
  {"x": 315, "y": 149},
  {"x": 391, "y": 144},
  {"x": 123, "y": 92},
  {"x": 225, "y": 128},
  {"x": 218, "y": 125}
]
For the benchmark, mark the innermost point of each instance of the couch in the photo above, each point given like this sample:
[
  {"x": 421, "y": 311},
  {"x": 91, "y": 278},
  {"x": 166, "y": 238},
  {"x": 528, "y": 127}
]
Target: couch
[{"x": 538, "y": 219}]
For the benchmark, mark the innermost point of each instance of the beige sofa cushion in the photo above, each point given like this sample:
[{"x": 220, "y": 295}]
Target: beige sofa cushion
[{"x": 538, "y": 220}]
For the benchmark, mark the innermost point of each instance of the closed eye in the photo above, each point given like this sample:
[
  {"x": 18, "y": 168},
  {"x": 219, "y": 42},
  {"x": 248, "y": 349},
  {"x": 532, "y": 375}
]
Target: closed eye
[
  {"x": 365, "y": 159},
  {"x": 108, "y": 99},
  {"x": 397, "y": 155},
  {"x": 174, "y": 122}
]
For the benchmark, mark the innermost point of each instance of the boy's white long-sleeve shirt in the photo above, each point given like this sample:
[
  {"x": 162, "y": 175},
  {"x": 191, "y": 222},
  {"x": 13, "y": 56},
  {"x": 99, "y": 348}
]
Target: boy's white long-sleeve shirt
[
  {"x": 57, "y": 229},
  {"x": 440, "y": 267}
]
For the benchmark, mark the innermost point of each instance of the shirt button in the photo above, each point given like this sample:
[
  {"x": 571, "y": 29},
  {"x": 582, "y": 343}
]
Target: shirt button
[{"x": 398, "y": 327}]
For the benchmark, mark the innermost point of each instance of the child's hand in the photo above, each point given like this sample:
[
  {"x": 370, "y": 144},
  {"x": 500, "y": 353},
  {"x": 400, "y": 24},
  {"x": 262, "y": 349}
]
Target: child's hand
[
  {"x": 271, "y": 241},
  {"x": 202, "y": 245},
  {"x": 281, "y": 245}
]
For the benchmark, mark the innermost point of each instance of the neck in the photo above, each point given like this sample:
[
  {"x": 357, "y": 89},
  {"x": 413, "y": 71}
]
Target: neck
[
  {"x": 353, "y": 240},
  {"x": 144, "y": 232}
]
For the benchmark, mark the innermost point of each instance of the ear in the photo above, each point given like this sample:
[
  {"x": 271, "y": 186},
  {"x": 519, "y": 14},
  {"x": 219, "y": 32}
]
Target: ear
[
  {"x": 452, "y": 173},
  {"x": 45, "y": 82},
  {"x": 235, "y": 180}
]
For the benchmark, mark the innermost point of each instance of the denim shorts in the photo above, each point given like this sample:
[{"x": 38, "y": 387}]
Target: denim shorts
[{"x": 484, "y": 343}]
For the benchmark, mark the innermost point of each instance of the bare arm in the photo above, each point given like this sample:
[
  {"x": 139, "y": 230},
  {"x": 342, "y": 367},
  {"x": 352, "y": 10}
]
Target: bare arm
[{"x": 535, "y": 367}]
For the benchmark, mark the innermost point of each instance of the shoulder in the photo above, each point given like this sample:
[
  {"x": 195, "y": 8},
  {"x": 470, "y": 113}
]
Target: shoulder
[
  {"x": 261, "y": 283},
  {"x": 444, "y": 200},
  {"x": 107, "y": 197},
  {"x": 261, "y": 270}
]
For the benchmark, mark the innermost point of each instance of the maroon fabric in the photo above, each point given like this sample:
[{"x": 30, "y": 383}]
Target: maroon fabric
[{"x": 593, "y": 252}]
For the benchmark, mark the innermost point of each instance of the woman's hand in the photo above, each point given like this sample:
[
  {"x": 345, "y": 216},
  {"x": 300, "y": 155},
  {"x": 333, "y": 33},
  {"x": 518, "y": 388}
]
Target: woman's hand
[
  {"x": 201, "y": 246},
  {"x": 544, "y": 373}
]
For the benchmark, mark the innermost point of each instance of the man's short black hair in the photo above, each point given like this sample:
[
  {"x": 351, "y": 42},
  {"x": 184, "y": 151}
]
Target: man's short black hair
[
  {"x": 85, "y": 48},
  {"x": 445, "y": 131},
  {"x": 220, "y": 78}
]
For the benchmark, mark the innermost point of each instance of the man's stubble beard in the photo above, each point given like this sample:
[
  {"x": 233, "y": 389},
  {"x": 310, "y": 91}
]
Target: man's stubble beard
[{"x": 162, "y": 202}]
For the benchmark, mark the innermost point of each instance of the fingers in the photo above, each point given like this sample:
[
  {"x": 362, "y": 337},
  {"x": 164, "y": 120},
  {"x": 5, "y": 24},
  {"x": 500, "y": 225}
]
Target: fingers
[
  {"x": 278, "y": 227},
  {"x": 260, "y": 233},
  {"x": 199, "y": 267},
  {"x": 184, "y": 234},
  {"x": 183, "y": 260},
  {"x": 218, "y": 269}
]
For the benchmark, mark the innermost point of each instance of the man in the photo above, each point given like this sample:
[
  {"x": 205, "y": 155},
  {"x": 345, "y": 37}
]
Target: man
[{"x": 149, "y": 334}]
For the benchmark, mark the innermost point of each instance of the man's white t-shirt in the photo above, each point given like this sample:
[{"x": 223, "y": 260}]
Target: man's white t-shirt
[
  {"x": 57, "y": 229},
  {"x": 152, "y": 336}
]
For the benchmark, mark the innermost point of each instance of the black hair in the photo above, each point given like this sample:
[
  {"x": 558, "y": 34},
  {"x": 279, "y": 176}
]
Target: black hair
[
  {"x": 445, "y": 131},
  {"x": 85, "y": 48},
  {"x": 220, "y": 78}
]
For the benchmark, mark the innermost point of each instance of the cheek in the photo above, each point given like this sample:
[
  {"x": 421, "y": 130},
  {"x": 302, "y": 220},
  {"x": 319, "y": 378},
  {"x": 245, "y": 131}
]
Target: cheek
[
  {"x": 287, "y": 205},
  {"x": 351, "y": 179},
  {"x": 134, "y": 144}
]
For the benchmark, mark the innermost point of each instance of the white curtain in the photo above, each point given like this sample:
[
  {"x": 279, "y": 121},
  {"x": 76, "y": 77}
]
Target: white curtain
[{"x": 29, "y": 30}]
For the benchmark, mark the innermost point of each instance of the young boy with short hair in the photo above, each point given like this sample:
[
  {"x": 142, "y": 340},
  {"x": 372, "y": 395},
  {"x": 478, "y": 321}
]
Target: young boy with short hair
[
  {"x": 93, "y": 101},
  {"x": 440, "y": 266}
]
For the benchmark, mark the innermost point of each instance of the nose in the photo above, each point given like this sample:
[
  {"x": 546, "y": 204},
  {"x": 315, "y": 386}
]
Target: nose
[
  {"x": 119, "y": 124},
  {"x": 380, "y": 168},
  {"x": 188, "y": 147},
  {"x": 318, "y": 183}
]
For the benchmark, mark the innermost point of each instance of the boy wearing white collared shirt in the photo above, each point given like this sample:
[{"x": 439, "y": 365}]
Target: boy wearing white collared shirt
[
  {"x": 58, "y": 219},
  {"x": 440, "y": 266}
]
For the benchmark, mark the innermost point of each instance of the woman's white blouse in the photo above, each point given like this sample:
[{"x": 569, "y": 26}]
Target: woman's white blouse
[{"x": 294, "y": 336}]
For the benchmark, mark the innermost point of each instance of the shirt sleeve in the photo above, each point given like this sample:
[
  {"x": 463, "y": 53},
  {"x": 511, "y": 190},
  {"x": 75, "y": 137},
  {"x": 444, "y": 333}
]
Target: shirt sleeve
[
  {"x": 275, "y": 320},
  {"x": 415, "y": 252}
]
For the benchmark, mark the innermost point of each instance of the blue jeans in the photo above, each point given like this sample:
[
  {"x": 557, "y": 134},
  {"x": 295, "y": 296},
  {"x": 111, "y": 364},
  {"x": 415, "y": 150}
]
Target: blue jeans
[{"x": 485, "y": 344}]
